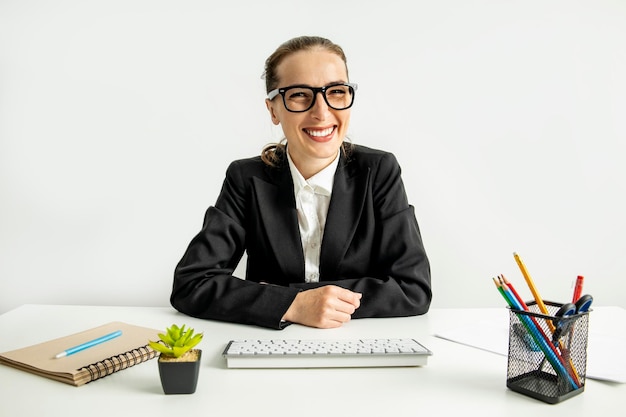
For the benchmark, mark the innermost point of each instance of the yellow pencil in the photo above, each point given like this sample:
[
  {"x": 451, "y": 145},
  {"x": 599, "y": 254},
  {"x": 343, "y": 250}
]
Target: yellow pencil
[{"x": 533, "y": 289}]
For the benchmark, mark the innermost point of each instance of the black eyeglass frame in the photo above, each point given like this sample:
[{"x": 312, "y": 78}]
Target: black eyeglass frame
[{"x": 282, "y": 90}]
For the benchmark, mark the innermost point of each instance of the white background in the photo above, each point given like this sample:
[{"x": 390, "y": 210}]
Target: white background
[{"x": 118, "y": 119}]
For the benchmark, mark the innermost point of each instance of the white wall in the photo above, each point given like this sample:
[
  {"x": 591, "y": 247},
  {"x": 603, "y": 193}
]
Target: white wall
[{"x": 118, "y": 119}]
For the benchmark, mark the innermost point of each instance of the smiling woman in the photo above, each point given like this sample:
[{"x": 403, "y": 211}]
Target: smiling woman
[{"x": 326, "y": 224}]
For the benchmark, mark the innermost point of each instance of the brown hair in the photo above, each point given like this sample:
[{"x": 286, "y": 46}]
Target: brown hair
[
  {"x": 302, "y": 43},
  {"x": 274, "y": 154}
]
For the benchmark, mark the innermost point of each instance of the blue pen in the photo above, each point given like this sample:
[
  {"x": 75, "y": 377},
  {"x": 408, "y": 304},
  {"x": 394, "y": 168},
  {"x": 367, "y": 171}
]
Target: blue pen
[{"x": 89, "y": 344}]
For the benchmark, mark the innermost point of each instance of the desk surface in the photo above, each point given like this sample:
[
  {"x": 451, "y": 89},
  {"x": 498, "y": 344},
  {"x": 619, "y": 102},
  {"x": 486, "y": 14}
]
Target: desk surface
[{"x": 458, "y": 378}]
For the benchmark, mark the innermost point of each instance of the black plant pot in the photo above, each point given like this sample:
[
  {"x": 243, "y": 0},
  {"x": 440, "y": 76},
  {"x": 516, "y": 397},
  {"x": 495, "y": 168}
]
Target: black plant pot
[{"x": 179, "y": 377}]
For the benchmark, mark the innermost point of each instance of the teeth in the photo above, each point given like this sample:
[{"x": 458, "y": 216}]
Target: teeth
[{"x": 319, "y": 133}]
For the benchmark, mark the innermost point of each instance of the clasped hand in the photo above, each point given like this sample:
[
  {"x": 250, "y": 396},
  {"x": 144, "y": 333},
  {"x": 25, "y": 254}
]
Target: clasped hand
[{"x": 325, "y": 307}]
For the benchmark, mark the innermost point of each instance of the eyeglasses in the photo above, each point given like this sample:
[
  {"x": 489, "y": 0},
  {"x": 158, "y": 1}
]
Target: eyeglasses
[{"x": 300, "y": 98}]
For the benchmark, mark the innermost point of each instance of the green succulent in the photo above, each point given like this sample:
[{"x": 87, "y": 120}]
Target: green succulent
[{"x": 177, "y": 341}]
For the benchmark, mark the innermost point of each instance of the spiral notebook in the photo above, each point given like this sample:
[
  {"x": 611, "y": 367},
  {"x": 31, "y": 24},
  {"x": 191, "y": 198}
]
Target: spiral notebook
[{"x": 129, "y": 349}]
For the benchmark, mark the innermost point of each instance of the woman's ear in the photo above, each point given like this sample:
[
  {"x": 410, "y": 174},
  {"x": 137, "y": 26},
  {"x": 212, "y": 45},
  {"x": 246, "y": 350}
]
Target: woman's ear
[{"x": 270, "y": 107}]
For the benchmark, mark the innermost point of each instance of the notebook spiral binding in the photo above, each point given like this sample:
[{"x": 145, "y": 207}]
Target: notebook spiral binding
[{"x": 119, "y": 362}]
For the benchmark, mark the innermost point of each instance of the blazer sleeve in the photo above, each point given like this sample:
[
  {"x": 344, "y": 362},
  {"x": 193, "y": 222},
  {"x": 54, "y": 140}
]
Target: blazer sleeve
[{"x": 204, "y": 285}]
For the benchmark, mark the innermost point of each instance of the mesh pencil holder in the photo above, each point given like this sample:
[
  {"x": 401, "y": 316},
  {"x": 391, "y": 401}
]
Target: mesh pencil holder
[{"x": 547, "y": 357}]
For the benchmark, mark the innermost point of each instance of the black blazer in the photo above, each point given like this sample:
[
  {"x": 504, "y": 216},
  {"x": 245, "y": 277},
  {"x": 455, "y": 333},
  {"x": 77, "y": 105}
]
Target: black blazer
[{"x": 371, "y": 244}]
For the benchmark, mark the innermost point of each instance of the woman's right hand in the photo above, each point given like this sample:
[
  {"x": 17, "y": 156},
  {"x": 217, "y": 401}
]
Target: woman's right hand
[{"x": 324, "y": 307}]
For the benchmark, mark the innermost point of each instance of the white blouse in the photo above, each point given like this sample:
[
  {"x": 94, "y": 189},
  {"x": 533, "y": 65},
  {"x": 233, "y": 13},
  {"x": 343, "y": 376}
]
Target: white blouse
[{"x": 312, "y": 201}]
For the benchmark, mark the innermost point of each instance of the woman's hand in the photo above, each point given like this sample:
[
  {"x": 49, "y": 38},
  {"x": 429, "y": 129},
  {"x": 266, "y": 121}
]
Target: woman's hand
[{"x": 324, "y": 307}]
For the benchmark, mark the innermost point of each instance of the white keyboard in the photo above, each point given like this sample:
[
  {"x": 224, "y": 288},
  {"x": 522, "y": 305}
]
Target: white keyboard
[{"x": 282, "y": 353}]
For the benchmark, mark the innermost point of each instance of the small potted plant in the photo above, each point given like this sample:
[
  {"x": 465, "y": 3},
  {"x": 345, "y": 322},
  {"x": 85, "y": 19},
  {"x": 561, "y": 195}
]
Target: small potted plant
[{"x": 179, "y": 363}]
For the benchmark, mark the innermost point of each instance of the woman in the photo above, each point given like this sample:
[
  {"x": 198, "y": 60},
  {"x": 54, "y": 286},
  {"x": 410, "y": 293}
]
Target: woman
[{"x": 326, "y": 225}]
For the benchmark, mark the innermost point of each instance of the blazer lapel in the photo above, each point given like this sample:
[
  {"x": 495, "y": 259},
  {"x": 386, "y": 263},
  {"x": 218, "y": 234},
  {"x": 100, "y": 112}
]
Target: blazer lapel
[
  {"x": 344, "y": 212},
  {"x": 278, "y": 213}
]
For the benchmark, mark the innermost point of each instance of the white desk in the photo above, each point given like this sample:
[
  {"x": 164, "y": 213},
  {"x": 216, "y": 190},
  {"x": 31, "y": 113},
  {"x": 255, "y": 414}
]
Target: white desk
[{"x": 457, "y": 380}]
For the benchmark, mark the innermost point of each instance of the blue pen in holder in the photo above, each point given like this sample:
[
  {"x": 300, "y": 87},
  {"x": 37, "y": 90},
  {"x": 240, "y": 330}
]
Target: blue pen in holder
[{"x": 547, "y": 357}]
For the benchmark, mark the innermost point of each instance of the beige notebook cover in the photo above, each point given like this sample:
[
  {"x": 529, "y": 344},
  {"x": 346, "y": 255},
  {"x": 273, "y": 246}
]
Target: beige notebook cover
[{"x": 90, "y": 364}]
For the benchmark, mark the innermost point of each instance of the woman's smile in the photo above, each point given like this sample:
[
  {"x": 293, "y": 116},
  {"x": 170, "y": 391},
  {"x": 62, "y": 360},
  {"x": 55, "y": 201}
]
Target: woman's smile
[{"x": 320, "y": 135}]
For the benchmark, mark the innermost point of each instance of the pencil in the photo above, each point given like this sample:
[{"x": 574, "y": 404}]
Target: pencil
[
  {"x": 533, "y": 289},
  {"x": 513, "y": 290},
  {"x": 578, "y": 288}
]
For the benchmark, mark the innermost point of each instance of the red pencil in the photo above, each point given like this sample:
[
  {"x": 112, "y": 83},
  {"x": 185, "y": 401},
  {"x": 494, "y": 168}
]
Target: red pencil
[
  {"x": 514, "y": 291},
  {"x": 578, "y": 288}
]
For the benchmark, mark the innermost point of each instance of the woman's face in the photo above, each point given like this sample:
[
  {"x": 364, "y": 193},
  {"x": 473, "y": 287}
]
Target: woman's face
[{"x": 313, "y": 136}]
